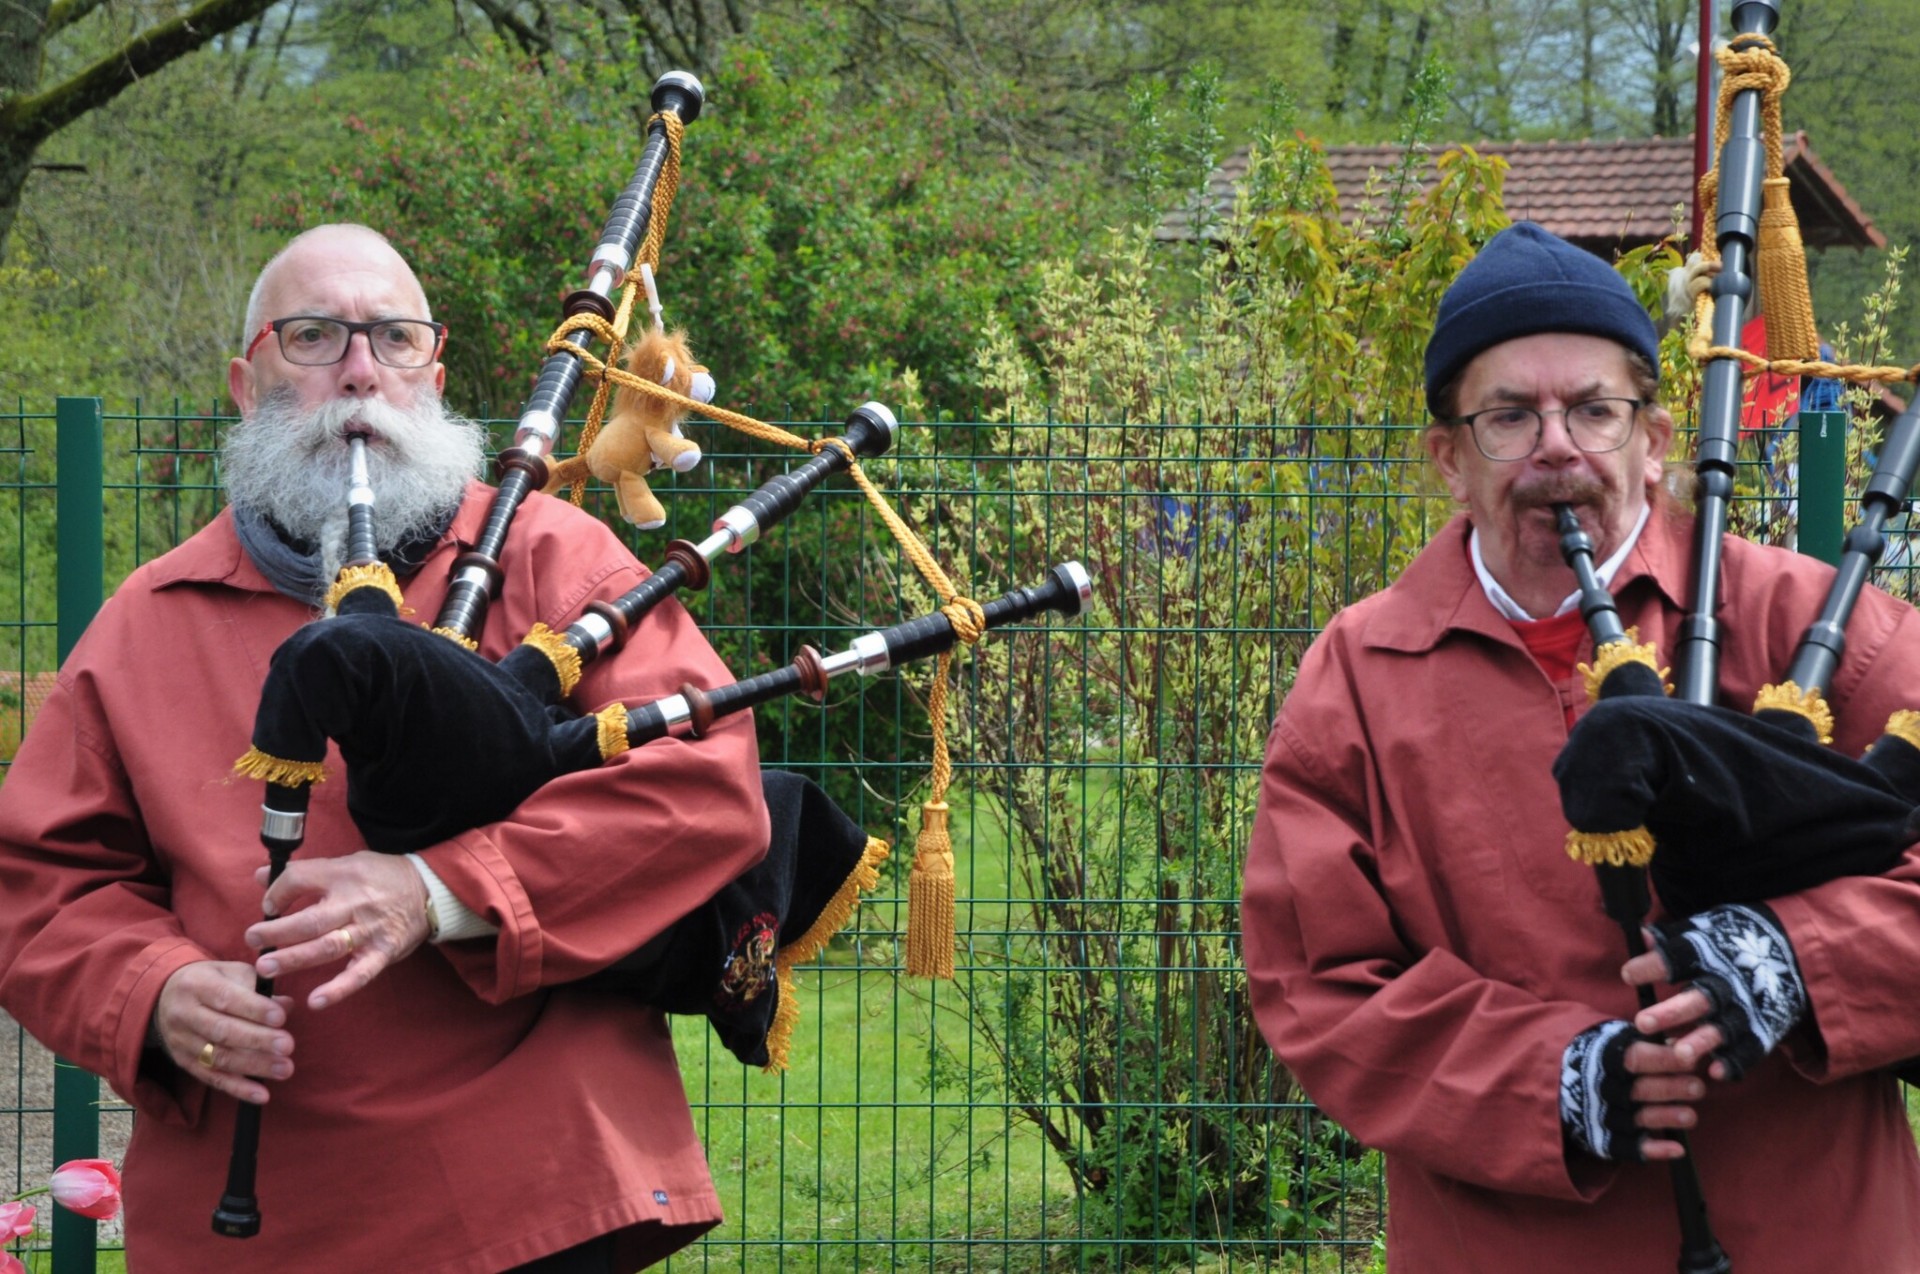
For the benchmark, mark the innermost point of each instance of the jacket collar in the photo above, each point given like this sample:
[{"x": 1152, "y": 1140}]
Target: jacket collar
[
  {"x": 214, "y": 555},
  {"x": 1438, "y": 593}
]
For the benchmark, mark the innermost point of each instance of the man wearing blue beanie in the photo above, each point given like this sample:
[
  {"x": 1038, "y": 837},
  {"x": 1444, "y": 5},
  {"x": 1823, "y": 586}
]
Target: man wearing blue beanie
[{"x": 1422, "y": 953}]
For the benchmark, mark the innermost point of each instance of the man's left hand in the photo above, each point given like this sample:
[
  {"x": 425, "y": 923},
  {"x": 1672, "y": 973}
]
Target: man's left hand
[
  {"x": 369, "y": 909},
  {"x": 1743, "y": 989}
]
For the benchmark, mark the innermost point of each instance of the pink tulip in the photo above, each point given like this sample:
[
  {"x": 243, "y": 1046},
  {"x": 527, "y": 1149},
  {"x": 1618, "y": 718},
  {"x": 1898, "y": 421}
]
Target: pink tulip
[
  {"x": 16, "y": 1220},
  {"x": 10, "y": 1264},
  {"x": 90, "y": 1187}
]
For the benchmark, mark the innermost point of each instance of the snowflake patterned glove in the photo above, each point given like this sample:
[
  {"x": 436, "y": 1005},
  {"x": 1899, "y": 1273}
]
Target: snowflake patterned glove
[
  {"x": 1739, "y": 956},
  {"x": 1596, "y": 1105}
]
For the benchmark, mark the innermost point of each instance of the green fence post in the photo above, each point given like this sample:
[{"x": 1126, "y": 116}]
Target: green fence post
[
  {"x": 1823, "y": 483},
  {"x": 81, "y": 578}
]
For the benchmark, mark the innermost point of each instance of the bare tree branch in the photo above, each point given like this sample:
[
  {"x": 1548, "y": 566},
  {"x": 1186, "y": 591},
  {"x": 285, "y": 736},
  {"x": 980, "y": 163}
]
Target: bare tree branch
[{"x": 67, "y": 12}]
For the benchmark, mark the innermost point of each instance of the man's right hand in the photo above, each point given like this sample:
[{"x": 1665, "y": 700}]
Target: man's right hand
[{"x": 213, "y": 1002}]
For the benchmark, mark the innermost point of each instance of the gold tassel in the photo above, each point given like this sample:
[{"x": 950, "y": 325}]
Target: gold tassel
[
  {"x": 374, "y": 575},
  {"x": 930, "y": 898},
  {"x": 271, "y": 769},
  {"x": 1782, "y": 268},
  {"x": 1788, "y": 697},
  {"x": 1611, "y": 849},
  {"x": 1905, "y": 726},
  {"x": 456, "y": 638},
  {"x": 1616, "y": 653},
  {"x": 832, "y": 919},
  {"x": 613, "y": 730},
  {"x": 560, "y": 653}
]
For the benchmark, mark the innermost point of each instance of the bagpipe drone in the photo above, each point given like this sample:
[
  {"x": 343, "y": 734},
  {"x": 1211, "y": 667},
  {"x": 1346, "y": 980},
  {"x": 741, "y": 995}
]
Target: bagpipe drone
[
  {"x": 495, "y": 733},
  {"x": 1718, "y": 805}
]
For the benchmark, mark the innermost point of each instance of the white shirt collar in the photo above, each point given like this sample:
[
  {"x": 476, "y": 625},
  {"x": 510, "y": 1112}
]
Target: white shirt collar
[{"x": 1511, "y": 609}]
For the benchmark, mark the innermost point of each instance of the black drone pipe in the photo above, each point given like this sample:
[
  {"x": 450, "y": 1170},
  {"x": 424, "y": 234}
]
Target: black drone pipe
[
  {"x": 1066, "y": 591},
  {"x": 476, "y": 573},
  {"x": 1742, "y": 169},
  {"x": 1818, "y": 656}
]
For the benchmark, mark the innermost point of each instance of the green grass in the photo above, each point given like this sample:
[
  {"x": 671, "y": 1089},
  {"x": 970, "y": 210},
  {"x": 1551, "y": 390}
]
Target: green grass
[
  {"x": 857, "y": 1151},
  {"x": 867, "y": 1155}
]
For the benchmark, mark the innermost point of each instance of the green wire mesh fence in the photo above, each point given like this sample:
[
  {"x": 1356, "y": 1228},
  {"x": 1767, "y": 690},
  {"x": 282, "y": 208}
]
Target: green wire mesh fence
[{"x": 1089, "y": 1092}]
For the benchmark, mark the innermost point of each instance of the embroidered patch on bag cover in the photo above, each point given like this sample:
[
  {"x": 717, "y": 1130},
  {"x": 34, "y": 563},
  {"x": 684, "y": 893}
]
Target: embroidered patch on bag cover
[{"x": 749, "y": 967}]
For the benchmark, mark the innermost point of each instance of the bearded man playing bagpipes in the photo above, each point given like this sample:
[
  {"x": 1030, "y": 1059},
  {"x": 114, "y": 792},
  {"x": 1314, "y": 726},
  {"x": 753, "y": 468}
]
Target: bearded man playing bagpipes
[
  {"x": 439, "y": 1099},
  {"x": 1449, "y": 984}
]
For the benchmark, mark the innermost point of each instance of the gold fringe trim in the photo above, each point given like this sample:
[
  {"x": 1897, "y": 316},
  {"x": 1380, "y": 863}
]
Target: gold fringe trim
[
  {"x": 1611, "y": 849},
  {"x": 374, "y": 575},
  {"x": 271, "y": 769},
  {"x": 560, "y": 653},
  {"x": 1787, "y": 697},
  {"x": 456, "y": 638},
  {"x": 833, "y": 918},
  {"x": 613, "y": 730},
  {"x": 930, "y": 898},
  {"x": 1905, "y": 726},
  {"x": 1614, "y": 654}
]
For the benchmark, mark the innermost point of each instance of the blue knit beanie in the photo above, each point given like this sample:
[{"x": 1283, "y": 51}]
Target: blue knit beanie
[{"x": 1524, "y": 282}]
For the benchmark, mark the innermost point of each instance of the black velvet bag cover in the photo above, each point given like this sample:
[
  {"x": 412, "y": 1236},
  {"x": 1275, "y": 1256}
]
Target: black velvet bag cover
[
  {"x": 720, "y": 961},
  {"x": 436, "y": 739},
  {"x": 1741, "y": 809}
]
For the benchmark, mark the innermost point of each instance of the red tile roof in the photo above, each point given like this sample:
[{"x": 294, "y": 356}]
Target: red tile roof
[{"x": 1604, "y": 196}]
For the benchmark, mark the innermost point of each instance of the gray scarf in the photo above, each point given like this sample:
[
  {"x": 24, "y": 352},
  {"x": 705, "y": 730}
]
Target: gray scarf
[{"x": 294, "y": 568}]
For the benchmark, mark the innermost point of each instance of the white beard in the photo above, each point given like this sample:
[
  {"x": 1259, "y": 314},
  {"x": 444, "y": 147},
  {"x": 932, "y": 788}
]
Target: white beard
[{"x": 294, "y": 466}]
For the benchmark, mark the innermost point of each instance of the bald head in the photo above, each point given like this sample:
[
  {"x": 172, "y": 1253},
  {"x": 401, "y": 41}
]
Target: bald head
[
  {"x": 342, "y": 245},
  {"x": 344, "y": 272}
]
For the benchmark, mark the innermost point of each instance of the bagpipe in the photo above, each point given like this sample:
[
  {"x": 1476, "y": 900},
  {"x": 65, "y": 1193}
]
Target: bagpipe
[
  {"x": 1723, "y": 806},
  {"x": 1742, "y": 807},
  {"x": 437, "y": 739}
]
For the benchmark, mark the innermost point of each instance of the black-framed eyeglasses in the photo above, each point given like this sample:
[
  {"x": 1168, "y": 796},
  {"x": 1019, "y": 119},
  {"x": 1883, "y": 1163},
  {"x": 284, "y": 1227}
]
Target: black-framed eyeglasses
[
  {"x": 313, "y": 340},
  {"x": 1597, "y": 426}
]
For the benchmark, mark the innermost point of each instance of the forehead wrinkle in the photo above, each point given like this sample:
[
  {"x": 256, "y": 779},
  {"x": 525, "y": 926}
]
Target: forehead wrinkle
[{"x": 1507, "y": 394}]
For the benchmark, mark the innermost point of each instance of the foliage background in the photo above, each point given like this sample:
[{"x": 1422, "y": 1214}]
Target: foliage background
[{"x": 870, "y": 179}]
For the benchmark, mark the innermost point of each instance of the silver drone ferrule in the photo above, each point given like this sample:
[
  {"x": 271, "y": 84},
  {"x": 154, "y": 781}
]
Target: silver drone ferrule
[
  {"x": 866, "y": 656},
  {"x": 1082, "y": 584},
  {"x": 674, "y": 710},
  {"x": 536, "y": 431},
  {"x": 595, "y": 629},
  {"x": 608, "y": 269},
  {"x": 282, "y": 824},
  {"x": 740, "y": 527}
]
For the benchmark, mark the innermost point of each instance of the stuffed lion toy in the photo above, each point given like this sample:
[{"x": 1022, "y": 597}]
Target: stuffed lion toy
[{"x": 642, "y": 433}]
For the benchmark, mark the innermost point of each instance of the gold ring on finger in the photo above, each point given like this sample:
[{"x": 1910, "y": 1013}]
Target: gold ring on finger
[
  {"x": 346, "y": 936},
  {"x": 206, "y": 1056}
]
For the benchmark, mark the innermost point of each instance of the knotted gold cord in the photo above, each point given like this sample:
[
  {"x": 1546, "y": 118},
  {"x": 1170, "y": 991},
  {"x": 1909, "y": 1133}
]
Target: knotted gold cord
[
  {"x": 1616, "y": 653},
  {"x": 1789, "y": 697},
  {"x": 1751, "y": 63}
]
